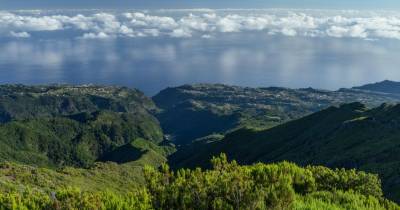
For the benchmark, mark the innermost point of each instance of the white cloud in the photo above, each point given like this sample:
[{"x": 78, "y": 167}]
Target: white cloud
[
  {"x": 100, "y": 35},
  {"x": 230, "y": 23},
  {"x": 20, "y": 34},
  {"x": 28, "y": 23},
  {"x": 394, "y": 34},
  {"x": 206, "y": 23},
  {"x": 289, "y": 32},
  {"x": 152, "y": 32},
  {"x": 125, "y": 30},
  {"x": 179, "y": 33},
  {"x": 138, "y": 19},
  {"x": 194, "y": 22},
  {"x": 356, "y": 31},
  {"x": 337, "y": 31}
]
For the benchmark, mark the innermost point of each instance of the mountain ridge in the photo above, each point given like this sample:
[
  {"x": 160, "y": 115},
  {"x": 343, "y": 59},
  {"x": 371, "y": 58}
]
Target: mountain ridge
[
  {"x": 386, "y": 86},
  {"x": 349, "y": 136},
  {"x": 189, "y": 112}
]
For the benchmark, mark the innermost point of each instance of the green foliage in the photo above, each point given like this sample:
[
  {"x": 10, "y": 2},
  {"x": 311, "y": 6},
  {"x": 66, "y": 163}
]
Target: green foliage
[
  {"x": 65, "y": 125},
  {"x": 227, "y": 185},
  {"x": 361, "y": 182},
  {"x": 62, "y": 141},
  {"x": 338, "y": 200},
  {"x": 119, "y": 178},
  {"x": 276, "y": 186},
  {"x": 349, "y": 136},
  {"x": 71, "y": 199},
  {"x": 62, "y": 127}
]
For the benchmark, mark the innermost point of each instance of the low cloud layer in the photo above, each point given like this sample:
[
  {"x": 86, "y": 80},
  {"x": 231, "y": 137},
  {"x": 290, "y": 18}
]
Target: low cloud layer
[{"x": 203, "y": 23}]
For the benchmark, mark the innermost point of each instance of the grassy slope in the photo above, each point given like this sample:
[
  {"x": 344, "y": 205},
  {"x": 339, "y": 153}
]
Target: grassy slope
[
  {"x": 351, "y": 136},
  {"x": 120, "y": 178}
]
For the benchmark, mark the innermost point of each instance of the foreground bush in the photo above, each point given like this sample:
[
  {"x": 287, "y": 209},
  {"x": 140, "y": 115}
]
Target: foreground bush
[
  {"x": 260, "y": 186},
  {"x": 75, "y": 199},
  {"x": 226, "y": 186}
]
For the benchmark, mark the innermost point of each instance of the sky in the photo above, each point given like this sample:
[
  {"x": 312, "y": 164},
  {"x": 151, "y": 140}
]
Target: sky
[
  {"x": 152, "y": 4},
  {"x": 153, "y": 44},
  {"x": 155, "y": 49}
]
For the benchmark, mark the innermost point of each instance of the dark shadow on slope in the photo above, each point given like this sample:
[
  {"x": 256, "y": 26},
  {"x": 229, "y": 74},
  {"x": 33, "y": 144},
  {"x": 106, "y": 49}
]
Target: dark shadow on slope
[{"x": 123, "y": 154}]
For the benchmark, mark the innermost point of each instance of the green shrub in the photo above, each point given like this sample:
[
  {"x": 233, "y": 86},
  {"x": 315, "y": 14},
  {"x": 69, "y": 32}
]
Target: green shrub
[
  {"x": 71, "y": 199},
  {"x": 227, "y": 186},
  {"x": 340, "y": 179}
]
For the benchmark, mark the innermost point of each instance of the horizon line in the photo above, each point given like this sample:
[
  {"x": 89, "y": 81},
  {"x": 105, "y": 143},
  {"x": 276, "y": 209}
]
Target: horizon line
[{"x": 210, "y": 9}]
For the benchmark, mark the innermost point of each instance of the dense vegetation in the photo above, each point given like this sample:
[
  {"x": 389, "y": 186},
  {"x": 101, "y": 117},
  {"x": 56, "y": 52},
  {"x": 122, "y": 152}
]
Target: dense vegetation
[
  {"x": 190, "y": 112},
  {"x": 226, "y": 186},
  {"x": 350, "y": 136},
  {"x": 66, "y": 141},
  {"x": 118, "y": 178},
  {"x": 64, "y": 147},
  {"x": 57, "y": 126}
]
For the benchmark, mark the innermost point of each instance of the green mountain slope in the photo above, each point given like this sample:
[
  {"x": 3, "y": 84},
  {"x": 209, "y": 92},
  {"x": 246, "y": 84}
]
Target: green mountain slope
[
  {"x": 108, "y": 176},
  {"x": 195, "y": 111},
  {"x": 100, "y": 138},
  {"x": 62, "y": 141},
  {"x": 63, "y": 125},
  {"x": 349, "y": 136}
]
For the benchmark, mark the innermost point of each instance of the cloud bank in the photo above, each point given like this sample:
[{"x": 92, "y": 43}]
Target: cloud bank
[{"x": 203, "y": 23}]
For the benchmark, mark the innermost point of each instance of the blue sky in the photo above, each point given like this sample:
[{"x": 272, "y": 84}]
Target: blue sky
[{"x": 325, "y": 4}]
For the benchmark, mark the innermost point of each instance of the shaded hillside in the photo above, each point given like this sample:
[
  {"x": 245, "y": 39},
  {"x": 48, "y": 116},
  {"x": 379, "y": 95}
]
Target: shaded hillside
[
  {"x": 194, "y": 111},
  {"x": 63, "y": 125},
  {"x": 386, "y": 86},
  {"x": 350, "y": 136},
  {"x": 60, "y": 141},
  {"x": 117, "y": 178}
]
